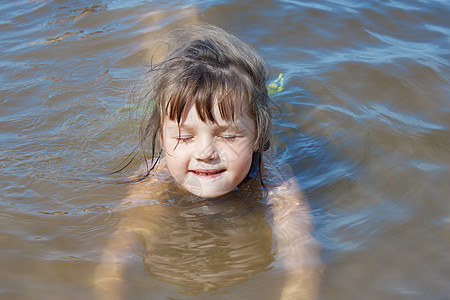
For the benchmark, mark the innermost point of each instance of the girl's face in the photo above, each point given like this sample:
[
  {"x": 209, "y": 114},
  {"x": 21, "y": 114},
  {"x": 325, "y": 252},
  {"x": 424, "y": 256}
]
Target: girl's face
[{"x": 208, "y": 159}]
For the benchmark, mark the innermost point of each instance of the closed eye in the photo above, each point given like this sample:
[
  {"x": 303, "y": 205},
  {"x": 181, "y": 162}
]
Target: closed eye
[
  {"x": 228, "y": 138},
  {"x": 184, "y": 139}
]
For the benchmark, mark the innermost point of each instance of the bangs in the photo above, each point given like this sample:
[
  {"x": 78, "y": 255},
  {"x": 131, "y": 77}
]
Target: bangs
[
  {"x": 231, "y": 93},
  {"x": 209, "y": 69}
]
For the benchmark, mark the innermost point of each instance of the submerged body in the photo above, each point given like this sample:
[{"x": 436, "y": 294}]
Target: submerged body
[
  {"x": 210, "y": 114},
  {"x": 204, "y": 244}
]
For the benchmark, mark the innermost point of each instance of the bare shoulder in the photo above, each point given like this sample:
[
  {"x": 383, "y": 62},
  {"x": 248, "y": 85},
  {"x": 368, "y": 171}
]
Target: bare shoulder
[
  {"x": 284, "y": 190},
  {"x": 144, "y": 201},
  {"x": 141, "y": 190}
]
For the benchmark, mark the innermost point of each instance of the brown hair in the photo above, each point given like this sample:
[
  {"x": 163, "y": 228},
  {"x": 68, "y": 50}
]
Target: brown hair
[{"x": 204, "y": 64}]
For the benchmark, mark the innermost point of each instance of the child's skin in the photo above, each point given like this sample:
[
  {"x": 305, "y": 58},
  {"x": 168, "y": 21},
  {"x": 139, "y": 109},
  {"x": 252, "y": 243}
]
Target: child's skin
[
  {"x": 207, "y": 159},
  {"x": 209, "y": 156},
  {"x": 210, "y": 160}
]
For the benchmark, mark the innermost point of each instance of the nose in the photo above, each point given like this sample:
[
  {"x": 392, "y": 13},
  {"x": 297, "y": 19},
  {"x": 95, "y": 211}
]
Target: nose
[{"x": 207, "y": 151}]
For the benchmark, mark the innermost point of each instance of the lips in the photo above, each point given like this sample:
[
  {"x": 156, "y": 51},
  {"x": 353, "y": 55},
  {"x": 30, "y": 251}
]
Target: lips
[{"x": 207, "y": 173}]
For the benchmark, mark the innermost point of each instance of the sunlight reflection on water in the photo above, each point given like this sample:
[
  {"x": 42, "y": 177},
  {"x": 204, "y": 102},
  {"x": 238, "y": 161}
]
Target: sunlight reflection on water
[{"x": 363, "y": 123}]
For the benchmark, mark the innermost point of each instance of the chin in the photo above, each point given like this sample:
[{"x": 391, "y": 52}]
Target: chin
[
  {"x": 209, "y": 195},
  {"x": 199, "y": 192}
]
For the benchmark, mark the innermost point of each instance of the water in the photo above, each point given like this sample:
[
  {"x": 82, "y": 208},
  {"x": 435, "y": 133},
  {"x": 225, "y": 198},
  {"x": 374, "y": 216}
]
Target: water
[{"x": 363, "y": 123}]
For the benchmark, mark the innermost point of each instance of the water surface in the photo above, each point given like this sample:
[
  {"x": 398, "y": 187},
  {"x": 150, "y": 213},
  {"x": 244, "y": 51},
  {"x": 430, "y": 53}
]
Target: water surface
[{"x": 363, "y": 123}]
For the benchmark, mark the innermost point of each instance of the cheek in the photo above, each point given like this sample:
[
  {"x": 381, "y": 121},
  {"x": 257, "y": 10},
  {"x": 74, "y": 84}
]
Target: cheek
[
  {"x": 173, "y": 157},
  {"x": 176, "y": 167},
  {"x": 241, "y": 149},
  {"x": 240, "y": 158}
]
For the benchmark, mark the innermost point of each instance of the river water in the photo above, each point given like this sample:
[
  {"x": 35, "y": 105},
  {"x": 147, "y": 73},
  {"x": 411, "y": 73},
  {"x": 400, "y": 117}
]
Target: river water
[{"x": 363, "y": 122}]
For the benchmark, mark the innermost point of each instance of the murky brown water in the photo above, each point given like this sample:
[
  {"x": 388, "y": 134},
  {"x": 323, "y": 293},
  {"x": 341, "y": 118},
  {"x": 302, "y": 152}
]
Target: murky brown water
[{"x": 363, "y": 122}]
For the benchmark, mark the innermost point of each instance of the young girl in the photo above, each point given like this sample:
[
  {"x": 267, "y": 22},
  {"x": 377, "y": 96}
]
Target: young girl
[{"x": 207, "y": 118}]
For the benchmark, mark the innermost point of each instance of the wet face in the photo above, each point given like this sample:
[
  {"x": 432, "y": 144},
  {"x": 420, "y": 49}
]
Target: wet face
[{"x": 208, "y": 159}]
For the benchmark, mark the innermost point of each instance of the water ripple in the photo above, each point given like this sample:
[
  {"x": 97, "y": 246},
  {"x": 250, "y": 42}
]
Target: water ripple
[{"x": 363, "y": 125}]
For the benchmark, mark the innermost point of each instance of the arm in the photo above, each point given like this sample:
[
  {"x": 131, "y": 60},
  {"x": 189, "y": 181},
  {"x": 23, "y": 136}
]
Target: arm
[
  {"x": 297, "y": 249},
  {"x": 120, "y": 249},
  {"x": 108, "y": 277}
]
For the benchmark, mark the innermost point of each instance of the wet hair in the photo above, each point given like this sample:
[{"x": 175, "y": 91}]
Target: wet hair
[{"x": 205, "y": 66}]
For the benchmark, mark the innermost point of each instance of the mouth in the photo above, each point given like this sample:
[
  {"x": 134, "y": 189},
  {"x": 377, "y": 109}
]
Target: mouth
[{"x": 207, "y": 173}]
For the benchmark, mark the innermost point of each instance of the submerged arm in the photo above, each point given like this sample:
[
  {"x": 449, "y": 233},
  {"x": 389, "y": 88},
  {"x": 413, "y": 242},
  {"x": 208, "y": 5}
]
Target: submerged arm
[
  {"x": 297, "y": 249},
  {"x": 120, "y": 249},
  {"x": 108, "y": 278}
]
